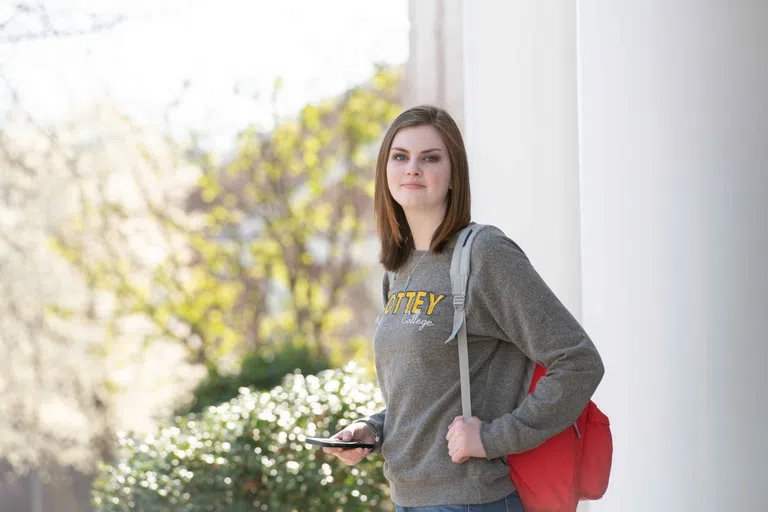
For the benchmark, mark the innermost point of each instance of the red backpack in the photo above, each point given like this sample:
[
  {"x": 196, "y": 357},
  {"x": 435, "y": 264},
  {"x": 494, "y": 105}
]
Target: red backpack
[
  {"x": 571, "y": 466},
  {"x": 574, "y": 465}
]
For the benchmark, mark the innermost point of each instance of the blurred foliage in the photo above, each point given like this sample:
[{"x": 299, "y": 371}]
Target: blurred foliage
[
  {"x": 261, "y": 370},
  {"x": 266, "y": 246},
  {"x": 176, "y": 261},
  {"x": 249, "y": 454}
]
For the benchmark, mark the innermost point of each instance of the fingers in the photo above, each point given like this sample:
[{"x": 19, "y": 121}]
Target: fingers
[
  {"x": 458, "y": 456},
  {"x": 352, "y": 457},
  {"x": 355, "y": 432},
  {"x": 457, "y": 453},
  {"x": 455, "y": 437},
  {"x": 348, "y": 456},
  {"x": 451, "y": 430}
]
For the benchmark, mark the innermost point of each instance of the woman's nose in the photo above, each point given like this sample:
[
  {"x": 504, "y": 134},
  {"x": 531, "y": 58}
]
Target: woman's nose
[{"x": 413, "y": 167}]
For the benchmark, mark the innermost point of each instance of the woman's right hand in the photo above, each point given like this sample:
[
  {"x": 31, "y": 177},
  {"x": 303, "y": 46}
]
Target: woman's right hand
[{"x": 354, "y": 432}]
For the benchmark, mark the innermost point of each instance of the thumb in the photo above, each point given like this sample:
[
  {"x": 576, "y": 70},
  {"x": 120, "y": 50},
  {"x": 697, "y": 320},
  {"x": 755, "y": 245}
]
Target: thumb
[{"x": 346, "y": 435}]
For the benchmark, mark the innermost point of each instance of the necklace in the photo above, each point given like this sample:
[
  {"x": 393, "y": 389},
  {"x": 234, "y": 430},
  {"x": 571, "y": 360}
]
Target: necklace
[{"x": 405, "y": 288}]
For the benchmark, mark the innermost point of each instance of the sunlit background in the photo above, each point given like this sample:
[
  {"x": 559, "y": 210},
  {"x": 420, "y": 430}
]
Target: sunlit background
[
  {"x": 188, "y": 262},
  {"x": 185, "y": 187}
]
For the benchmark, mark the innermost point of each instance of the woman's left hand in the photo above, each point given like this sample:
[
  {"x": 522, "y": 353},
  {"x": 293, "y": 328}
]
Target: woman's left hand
[{"x": 464, "y": 439}]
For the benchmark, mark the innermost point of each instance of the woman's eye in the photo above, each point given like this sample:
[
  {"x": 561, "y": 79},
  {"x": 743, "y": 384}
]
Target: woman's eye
[
  {"x": 431, "y": 158},
  {"x": 399, "y": 157}
]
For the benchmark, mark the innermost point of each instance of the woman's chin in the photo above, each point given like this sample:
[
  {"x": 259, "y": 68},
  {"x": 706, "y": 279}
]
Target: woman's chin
[{"x": 420, "y": 207}]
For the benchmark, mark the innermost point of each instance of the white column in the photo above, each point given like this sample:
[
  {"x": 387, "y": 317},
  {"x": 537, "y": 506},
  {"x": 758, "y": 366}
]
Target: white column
[
  {"x": 668, "y": 214},
  {"x": 434, "y": 69},
  {"x": 521, "y": 131},
  {"x": 674, "y": 137}
]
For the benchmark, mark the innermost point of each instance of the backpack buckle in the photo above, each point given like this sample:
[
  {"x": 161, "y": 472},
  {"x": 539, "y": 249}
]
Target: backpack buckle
[{"x": 458, "y": 302}]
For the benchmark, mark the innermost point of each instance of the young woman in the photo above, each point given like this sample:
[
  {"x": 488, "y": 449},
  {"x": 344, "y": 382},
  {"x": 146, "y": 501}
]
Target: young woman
[{"x": 434, "y": 459}]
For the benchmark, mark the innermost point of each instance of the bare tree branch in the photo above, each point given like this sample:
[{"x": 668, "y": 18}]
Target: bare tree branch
[{"x": 50, "y": 29}]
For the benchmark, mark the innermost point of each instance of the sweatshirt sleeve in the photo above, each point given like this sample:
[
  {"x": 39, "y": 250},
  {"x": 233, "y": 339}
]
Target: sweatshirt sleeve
[
  {"x": 512, "y": 303},
  {"x": 376, "y": 422}
]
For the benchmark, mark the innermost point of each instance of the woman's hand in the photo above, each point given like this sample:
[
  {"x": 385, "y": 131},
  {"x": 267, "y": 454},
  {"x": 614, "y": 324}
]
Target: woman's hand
[
  {"x": 464, "y": 439},
  {"x": 354, "y": 432}
]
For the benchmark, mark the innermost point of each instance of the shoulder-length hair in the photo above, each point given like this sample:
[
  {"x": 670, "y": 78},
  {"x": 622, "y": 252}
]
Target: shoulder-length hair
[{"x": 394, "y": 233}]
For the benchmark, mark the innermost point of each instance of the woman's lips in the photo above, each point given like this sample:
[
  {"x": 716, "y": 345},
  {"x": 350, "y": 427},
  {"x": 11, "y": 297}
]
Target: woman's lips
[{"x": 412, "y": 186}]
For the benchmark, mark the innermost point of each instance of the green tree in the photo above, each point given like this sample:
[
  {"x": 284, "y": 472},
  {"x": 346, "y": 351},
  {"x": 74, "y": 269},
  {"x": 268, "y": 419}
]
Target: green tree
[{"x": 267, "y": 248}]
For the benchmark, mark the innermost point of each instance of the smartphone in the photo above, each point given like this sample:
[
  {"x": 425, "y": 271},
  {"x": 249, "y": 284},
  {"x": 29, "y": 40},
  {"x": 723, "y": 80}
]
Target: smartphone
[{"x": 329, "y": 442}]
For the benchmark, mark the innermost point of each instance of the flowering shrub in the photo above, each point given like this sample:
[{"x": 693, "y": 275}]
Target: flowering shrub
[{"x": 249, "y": 454}]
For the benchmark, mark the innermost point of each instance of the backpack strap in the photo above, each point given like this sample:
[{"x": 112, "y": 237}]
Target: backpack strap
[{"x": 459, "y": 278}]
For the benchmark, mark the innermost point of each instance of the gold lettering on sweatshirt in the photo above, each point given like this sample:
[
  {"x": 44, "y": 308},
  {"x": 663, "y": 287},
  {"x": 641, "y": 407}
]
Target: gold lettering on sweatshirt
[
  {"x": 433, "y": 302},
  {"x": 390, "y": 304},
  {"x": 399, "y": 300},
  {"x": 418, "y": 302},
  {"x": 415, "y": 304},
  {"x": 410, "y": 296}
]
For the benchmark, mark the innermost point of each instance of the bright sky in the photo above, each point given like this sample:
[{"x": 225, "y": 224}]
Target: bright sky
[{"x": 319, "y": 47}]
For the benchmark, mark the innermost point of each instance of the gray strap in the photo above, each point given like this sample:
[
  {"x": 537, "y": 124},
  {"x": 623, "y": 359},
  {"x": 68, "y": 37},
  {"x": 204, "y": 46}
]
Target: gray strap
[
  {"x": 466, "y": 402},
  {"x": 459, "y": 278},
  {"x": 457, "y": 288}
]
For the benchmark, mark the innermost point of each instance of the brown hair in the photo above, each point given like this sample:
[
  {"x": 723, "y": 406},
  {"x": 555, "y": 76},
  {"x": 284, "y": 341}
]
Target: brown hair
[{"x": 394, "y": 233}]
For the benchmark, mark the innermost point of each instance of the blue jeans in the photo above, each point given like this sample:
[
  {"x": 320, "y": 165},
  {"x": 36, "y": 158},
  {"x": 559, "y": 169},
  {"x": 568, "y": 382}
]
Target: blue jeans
[{"x": 510, "y": 503}]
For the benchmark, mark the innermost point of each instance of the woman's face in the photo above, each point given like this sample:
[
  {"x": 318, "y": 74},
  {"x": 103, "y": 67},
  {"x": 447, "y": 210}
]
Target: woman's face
[{"x": 419, "y": 170}]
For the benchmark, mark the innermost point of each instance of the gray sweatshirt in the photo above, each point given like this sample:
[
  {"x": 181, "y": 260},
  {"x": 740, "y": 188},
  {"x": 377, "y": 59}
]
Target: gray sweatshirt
[{"x": 512, "y": 316}]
